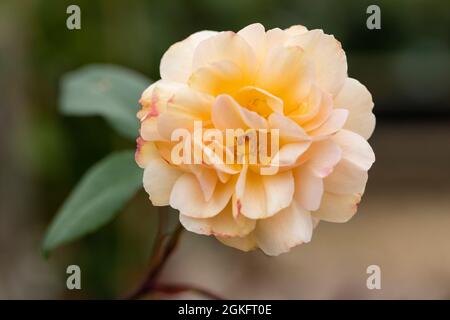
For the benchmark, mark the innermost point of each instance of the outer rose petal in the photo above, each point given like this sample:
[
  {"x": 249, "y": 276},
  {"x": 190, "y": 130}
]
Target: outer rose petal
[
  {"x": 264, "y": 196},
  {"x": 191, "y": 102},
  {"x": 255, "y": 35},
  {"x": 337, "y": 208},
  {"x": 251, "y": 195},
  {"x": 221, "y": 225},
  {"x": 187, "y": 197},
  {"x": 357, "y": 99},
  {"x": 165, "y": 150},
  {"x": 322, "y": 157},
  {"x": 279, "y": 191},
  {"x": 159, "y": 178},
  {"x": 145, "y": 151},
  {"x": 168, "y": 122},
  {"x": 183, "y": 108},
  {"x": 296, "y": 30},
  {"x": 328, "y": 57},
  {"x": 145, "y": 101},
  {"x": 346, "y": 178},
  {"x": 350, "y": 175},
  {"x": 355, "y": 149},
  {"x": 245, "y": 243},
  {"x": 240, "y": 186},
  {"x": 276, "y": 37},
  {"x": 206, "y": 177},
  {"x": 154, "y": 99},
  {"x": 149, "y": 130},
  {"x": 308, "y": 188},
  {"x": 288, "y": 228},
  {"x": 176, "y": 64},
  {"x": 226, "y": 46},
  {"x": 154, "y": 103}
]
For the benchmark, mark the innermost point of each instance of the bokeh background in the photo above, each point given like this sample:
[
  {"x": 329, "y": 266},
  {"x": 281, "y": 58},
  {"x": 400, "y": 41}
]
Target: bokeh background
[{"x": 403, "y": 223}]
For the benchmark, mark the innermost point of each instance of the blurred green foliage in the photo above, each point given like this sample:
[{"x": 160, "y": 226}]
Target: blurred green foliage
[
  {"x": 106, "y": 90},
  {"x": 95, "y": 200}
]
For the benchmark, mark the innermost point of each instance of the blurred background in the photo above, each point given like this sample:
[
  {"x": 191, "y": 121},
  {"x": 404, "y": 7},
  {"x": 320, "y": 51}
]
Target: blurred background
[{"x": 403, "y": 222}]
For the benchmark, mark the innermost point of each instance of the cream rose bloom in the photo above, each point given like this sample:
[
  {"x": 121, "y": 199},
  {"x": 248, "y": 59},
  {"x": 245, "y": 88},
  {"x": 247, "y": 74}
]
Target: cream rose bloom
[{"x": 294, "y": 80}]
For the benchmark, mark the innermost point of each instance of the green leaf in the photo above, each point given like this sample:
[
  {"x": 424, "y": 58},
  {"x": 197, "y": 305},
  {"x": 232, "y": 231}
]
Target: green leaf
[
  {"x": 107, "y": 90},
  {"x": 103, "y": 190}
]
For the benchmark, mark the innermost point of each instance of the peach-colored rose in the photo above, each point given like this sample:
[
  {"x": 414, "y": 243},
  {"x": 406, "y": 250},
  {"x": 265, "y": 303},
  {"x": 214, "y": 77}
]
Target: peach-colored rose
[{"x": 293, "y": 80}]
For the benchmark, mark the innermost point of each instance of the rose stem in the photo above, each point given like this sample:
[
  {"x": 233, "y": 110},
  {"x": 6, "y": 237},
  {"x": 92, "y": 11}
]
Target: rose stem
[{"x": 160, "y": 253}]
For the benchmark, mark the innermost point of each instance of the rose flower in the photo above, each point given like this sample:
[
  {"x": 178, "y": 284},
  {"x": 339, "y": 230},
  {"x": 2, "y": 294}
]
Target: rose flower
[{"x": 294, "y": 81}]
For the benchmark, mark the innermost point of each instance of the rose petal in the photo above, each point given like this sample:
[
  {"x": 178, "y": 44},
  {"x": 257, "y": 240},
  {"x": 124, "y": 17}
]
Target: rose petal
[
  {"x": 221, "y": 225},
  {"x": 290, "y": 131},
  {"x": 216, "y": 155},
  {"x": 207, "y": 178},
  {"x": 327, "y": 56},
  {"x": 308, "y": 109},
  {"x": 145, "y": 151},
  {"x": 357, "y": 99},
  {"x": 169, "y": 122},
  {"x": 218, "y": 78},
  {"x": 159, "y": 179},
  {"x": 176, "y": 63},
  {"x": 355, "y": 149},
  {"x": 264, "y": 196},
  {"x": 322, "y": 156},
  {"x": 337, "y": 207},
  {"x": 246, "y": 243},
  {"x": 335, "y": 122},
  {"x": 285, "y": 73},
  {"x": 226, "y": 46},
  {"x": 275, "y": 38},
  {"x": 154, "y": 99},
  {"x": 346, "y": 178},
  {"x": 228, "y": 114},
  {"x": 259, "y": 100},
  {"x": 149, "y": 130},
  {"x": 290, "y": 153},
  {"x": 190, "y": 102},
  {"x": 279, "y": 190},
  {"x": 255, "y": 36},
  {"x": 323, "y": 113},
  {"x": 187, "y": 197},
  {"x": 288, "y": 228},
  {"x": 296, "y": 30},
  {"x": 308, "y": 188}
]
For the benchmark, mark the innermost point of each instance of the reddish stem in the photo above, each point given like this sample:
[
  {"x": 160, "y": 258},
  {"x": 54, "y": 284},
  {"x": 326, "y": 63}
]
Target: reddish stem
[{"x": 164, "y": 246}]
